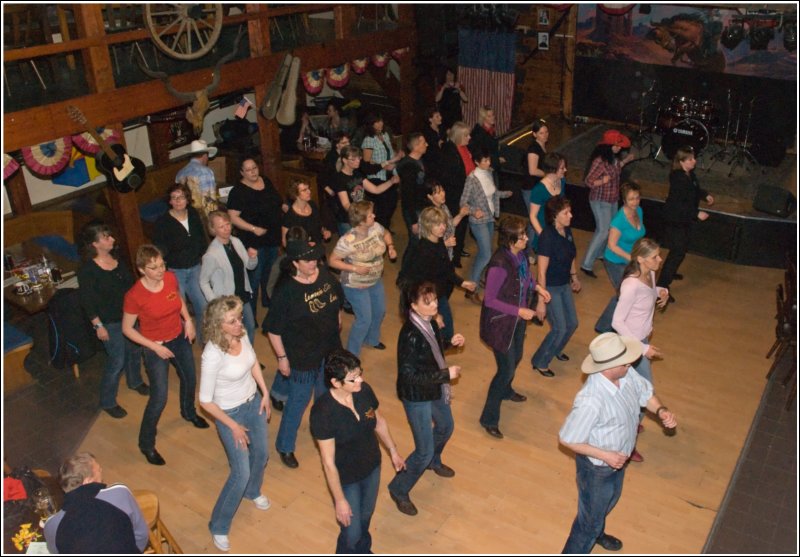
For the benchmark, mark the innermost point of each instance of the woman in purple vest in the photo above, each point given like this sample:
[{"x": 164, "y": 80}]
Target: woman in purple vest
[{"x": 505, "y": 313}]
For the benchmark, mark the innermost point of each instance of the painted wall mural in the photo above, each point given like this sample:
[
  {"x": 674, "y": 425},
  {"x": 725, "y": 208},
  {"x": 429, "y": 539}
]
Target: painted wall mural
[{"x": 686, "y": 37}]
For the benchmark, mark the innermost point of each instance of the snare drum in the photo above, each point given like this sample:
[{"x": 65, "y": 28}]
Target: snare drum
[{"x": 689, "y": 132}]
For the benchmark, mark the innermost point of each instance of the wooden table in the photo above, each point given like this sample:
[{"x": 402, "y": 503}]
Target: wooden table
[{"x": 39, "y": 299}]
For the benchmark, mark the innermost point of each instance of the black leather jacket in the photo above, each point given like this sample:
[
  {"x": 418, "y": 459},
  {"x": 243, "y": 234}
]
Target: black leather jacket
[{"x": 419, "y": 378}]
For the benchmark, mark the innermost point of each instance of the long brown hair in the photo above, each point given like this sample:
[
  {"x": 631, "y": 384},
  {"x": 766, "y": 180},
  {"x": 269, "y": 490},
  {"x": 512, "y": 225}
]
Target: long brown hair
[{"x": 644, "y": 248}]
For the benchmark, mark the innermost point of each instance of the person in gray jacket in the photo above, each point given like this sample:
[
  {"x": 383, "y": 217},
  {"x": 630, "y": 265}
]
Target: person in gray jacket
[
  {"x": 223, "y": 269},
  {"x": 95, "y": 518}
]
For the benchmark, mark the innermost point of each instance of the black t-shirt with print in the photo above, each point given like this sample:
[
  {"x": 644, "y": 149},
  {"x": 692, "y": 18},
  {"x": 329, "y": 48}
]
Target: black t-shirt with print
[
  {"x": 306, "y": 317},
  {"x": 357, "y": 451},
  {"x": 352, "y": 185}
]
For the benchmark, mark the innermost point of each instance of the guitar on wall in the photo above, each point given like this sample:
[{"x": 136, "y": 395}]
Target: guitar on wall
[{"x": 124, "y": 173}]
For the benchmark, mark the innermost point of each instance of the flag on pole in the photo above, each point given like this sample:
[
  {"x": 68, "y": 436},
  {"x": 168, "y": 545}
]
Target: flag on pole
[
  {"x": 244, "y": 106},
  {"x": 486, "y": 62}
]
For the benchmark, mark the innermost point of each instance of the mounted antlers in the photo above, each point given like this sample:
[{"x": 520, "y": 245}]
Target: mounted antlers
[{"x": 196, "y": 113}]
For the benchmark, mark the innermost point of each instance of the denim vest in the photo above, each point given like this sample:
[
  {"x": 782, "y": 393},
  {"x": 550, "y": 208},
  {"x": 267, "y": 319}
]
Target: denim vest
[{"x": 496, "y": 328}]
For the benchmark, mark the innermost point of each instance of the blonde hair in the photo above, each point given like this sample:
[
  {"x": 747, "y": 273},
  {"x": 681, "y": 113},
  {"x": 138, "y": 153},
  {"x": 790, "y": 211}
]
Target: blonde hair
[
  {"x": 483, "y": 112},
  {"x": 217, "y": 215},
  {"x": 214, "y": 317},
  {"x": 458, "y": 131},
  {"x": 644, "y": 248},
  {"x": 430, "y": 217}
]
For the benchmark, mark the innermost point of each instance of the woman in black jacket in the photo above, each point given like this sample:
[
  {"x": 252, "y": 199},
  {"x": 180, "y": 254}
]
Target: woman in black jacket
[
  {"x": 457, "y": 164},
  {"x": 680, "y": 212},
  {"x": 431, "y": 262},
  {"x": 181, "y": 236},
  {"x": 423, "y": 385}
]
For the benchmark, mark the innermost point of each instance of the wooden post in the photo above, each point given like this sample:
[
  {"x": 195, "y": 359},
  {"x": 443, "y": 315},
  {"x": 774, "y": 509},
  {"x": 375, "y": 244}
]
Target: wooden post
[
  {"x": 100, "y": 76},
  {"x": 570, "y": 35},
  {"x": 18, "y": 195}
]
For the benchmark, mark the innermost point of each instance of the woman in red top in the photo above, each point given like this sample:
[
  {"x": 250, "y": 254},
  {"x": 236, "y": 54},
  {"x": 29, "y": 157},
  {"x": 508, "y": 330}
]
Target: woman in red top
[{"x": 156, "y": 303}]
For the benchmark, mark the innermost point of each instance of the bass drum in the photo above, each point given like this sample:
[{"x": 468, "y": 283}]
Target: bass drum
[{"x": 689, "y": 132}]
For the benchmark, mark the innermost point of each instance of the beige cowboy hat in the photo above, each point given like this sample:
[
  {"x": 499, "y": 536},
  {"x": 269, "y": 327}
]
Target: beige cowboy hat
[
  {"x": 611, "y": 350},
  {"x": 200, "y": 146}
]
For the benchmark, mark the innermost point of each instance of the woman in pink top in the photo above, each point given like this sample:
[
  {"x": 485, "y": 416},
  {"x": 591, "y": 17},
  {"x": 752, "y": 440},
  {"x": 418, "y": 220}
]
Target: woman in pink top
[{"x": 638, "y": 298}]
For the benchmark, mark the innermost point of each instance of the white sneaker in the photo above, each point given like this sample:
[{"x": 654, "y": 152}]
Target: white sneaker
[
  {"x": 221, "y": 541},
  {"x": 262, "y": 503}
]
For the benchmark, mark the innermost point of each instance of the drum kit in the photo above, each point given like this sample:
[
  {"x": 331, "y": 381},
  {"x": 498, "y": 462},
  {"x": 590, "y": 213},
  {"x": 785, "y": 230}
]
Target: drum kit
[{"x": 687, "y": 121}]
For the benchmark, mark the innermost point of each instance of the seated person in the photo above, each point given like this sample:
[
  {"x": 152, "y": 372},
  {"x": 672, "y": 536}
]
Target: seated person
[{"x": 94, "y": 518}]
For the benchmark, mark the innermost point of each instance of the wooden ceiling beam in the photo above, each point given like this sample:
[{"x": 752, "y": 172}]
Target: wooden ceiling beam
[{"x": 47, "y": 122}]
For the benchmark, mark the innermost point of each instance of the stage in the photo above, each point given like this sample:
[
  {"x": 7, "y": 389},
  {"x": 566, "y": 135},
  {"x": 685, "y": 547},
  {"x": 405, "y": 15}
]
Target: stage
[{"x": 736, "y": 232}]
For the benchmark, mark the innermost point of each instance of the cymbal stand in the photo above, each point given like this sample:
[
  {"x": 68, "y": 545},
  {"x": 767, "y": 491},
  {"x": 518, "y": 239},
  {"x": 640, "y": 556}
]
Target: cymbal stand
[
  {"x": 722, "y": 153},
  {"x": 644, "y": 136},
  {"x": 741, "y": 154}
]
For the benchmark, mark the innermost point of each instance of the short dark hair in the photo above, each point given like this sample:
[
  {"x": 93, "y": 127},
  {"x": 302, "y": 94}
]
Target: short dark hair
[
  {"x": 412, "y": 140},
  {"x": 509, "y": 230},
  {"x": 432, "y": 184},
  {"x": 430, "y": 112},
  {"x": 181, "y": 187},
  {"x": 627, "y": 188},
  {"x": 537, "y": 125},
  {"x": 412, "y": 292},
  {"x": 480, "y": 153},
  {"x": 554, "y": 206},
  {"x": 338, "y": 364},
  {"x": 551, "y": 161},
  {"x": 349, "y": 151}
]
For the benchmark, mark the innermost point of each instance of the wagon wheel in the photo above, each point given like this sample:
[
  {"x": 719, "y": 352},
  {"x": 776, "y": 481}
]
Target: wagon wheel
[{"x": 184, "y": 31}]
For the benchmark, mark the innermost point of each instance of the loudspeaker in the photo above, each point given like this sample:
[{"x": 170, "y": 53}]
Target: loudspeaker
[
  {"x": 768, "y": 150},
  {"x": 773, "y": 200}
]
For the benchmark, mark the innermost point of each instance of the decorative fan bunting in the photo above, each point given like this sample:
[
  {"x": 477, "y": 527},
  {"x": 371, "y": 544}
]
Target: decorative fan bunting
[
  {"x": 86, "y": 143},
  {"x": 10, "y": 166},
  {"x": 359, "y": 65},
  {"x": 48, "y": 158},
  {"x": 313, "y": 81},
  {"x": 399, "y": 53},
  {"x": 380, "y": 60},
  {"x": 616, "y": 9},
  {"x": 339, "y": 76}
]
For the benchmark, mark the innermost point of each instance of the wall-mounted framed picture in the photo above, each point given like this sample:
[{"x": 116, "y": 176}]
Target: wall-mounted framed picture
[
  {"x": 544, "y": 41},
  {"x": 544, "y": 17}
]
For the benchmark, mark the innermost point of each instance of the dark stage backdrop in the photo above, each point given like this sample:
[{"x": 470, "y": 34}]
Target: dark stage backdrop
[{"x": 634, "y": 62}]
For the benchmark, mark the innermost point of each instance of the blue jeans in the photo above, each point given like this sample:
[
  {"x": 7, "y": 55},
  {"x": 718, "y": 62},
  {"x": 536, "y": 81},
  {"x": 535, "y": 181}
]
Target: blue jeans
[
  {"x": 563, "y": 322},
  {"x": 616, "y": 272},
  {"x": 599, "y": 488},
  {"x": 247, "y": 463},
  {"x": 483, "y": 237},
  {"x": 249, "y": 323},
  {"x": 189, "y": 284},
  {"x": 280, "y": 387},
  {"x": 500, "y": 388},
  {"x": 301, "y": 385},
  {"x": 526, "y": 197},
  {"x": 361, "y": 495},
  {"x": 603, "y": 213},
  {"x": 447, "y": 316},
  {"x": 429, "y": 441},
  {"x": 122, "y": 355},
  {"x": 260, "y": 275},
  {"x": 158, "y": 374},
  {"x": 369, "y": 306}
]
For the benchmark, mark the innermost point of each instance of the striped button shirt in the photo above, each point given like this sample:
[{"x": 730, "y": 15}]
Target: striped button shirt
[{"x": 606, "y": 416}]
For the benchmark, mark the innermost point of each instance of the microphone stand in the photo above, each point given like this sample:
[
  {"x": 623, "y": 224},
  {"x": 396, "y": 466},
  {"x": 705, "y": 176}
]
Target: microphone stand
[{"x": 742, "y": 155}]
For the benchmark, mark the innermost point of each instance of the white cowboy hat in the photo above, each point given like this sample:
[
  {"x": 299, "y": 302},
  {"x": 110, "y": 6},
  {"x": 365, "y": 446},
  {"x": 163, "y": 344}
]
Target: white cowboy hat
[
  {"x": 611, "y": 350},
  {"x": 200, "y": 146}
]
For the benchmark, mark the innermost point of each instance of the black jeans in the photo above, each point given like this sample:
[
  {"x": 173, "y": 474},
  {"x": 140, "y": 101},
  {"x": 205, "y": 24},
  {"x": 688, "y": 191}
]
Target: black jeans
[
  {"x": 677, "y": 239},
  {"x": 500, "y": 388}
]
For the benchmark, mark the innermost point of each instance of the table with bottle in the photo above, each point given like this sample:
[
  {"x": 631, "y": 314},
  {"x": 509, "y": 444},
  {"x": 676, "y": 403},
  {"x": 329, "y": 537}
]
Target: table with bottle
[{"x": 32, "y": 274}]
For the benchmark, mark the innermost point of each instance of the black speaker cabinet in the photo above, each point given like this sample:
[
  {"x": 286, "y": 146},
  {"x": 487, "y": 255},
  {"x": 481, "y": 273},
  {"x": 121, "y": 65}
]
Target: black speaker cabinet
[
  {"x": 773, "y": 200},
  {"x": 768, "y": 150}
]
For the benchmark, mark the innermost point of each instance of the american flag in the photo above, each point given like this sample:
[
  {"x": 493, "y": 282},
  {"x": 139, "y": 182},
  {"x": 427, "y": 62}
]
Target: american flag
[
  {"x": 486, "y": 62},
  {"x": 244, "y": 106}
]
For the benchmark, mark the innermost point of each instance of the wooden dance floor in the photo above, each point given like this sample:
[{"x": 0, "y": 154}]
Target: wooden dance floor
[{"x": 515, "y": 495}]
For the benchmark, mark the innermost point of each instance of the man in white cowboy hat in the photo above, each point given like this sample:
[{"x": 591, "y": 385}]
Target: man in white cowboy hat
[
  {"x": 601, "y": 431},
  {"x": 200, "y": 178}
]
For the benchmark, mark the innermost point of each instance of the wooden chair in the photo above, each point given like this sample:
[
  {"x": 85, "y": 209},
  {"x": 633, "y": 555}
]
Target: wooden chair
[
  {"x": 161, "y": 541},
  {"x": 16, "y": 347}
]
